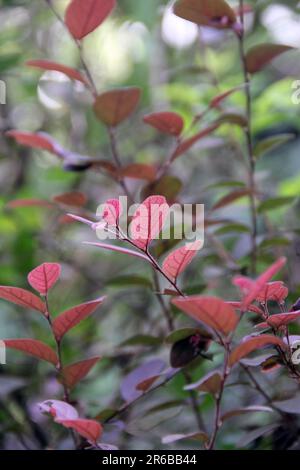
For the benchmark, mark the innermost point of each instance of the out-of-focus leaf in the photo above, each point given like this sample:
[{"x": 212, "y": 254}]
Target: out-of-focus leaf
[
  {"x": 113, "y": 107},
  {"x": 82, "y": 18},
  {"x": 33, "y": 347},
  {"x": 271, "y": 143},
  {"x": 253, "y": 344},
  {"x": 248, "y": 409},
  {"x": 74, "y": 373},
  {"x": 139, "y": 171},
  {"x": 211, "y": 383},
  {"x": 167, "y": 186},
  {"x": 147, "y": 370},
  {"x": 213, "y": 13},
  {"x": 197, "y": 436},
  {"x": 166, "y": 122},
  {"x": 49, "y": 65},
  {"x": 275, "y": 203},
  {"x": 142, "y": 340},
  {"x": 260, "y": 56}
]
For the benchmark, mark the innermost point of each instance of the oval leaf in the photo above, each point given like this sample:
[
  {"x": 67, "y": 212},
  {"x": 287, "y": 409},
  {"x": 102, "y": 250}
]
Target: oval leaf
[
  {"x": 260, "y": 56},
  {"x": 211, "y": 383},
  {"x": 87, "y": 428},
  {"x": 43, "y": 278},
  {"x": 72, "y": 199},
  {"x": 33, "y": 347},
  {"x": 211, "y": 311},
  {"x": 54, "y": 66},
  {"x": 166, "y": 122},
  {"x": 22, "y": 297},
  {"x": 115, "y": 106},
  {"x": 139, "y": 171},
  {"x": 214, "y": 13},
  {"x": 70, "y": 318},
  {"x": 280, "y": 319},
  {"x": 32, "y": 140},
  {"x": 74, "y": 373},
  {"x": 148, "y": 220},
  {"x": 83, "y": 17},
  {"x": 253, "y": 344},
  {"x": 179, "y": 259}
]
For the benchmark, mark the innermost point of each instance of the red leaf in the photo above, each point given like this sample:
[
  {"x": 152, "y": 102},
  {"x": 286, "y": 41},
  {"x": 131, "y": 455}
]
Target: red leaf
[
  {"x": 248, "y": 409},
  {"x": 252, "y": 344},
  {"x": 211, "y": 311},
  {"x": 43, "y": 278},
  {"x": 251, "y": 308},
  {"x": 261, "y": 282},
  {"x": 210, "y": 383},
  {"x": 166, "y": 122},
  {"x": 275, "y": 291},
  {"x": 178, "y": 260},
  {"x": 73, "y": 373},
  {"x": 83, "y": 17},
  {"x": 88, "y": 428},
  {"x": 214, "y": 13},
  {"x": 72, "y": 198},
  {"x": 30, "y": 139},
  {"x": 146, "y": 384},
  {"x": 260, "y": 56},
  {"x": 33, "y": 347},
  {"x": 280, "y": 319},
  {"x": 113, "y": 107},
  {"x": 139, "y": 171},
  {"x": 28, "y": 203},
  {"x": 111, "y": 212},
  {"x": 217, "y": 100},
  {"x": 148, "y": 220},
  {"x": 188, "y": 143},
  {"x": 70, "y": 318},
  {"x": 49, "y": 65},
  {"x": 22, "y": 297}
]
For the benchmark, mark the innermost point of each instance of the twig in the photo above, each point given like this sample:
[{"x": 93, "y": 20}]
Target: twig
[{"x": 248, "y": 133}]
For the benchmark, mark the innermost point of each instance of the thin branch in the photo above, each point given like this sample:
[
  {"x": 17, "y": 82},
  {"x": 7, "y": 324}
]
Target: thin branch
[{"x": 249, "y": 143}]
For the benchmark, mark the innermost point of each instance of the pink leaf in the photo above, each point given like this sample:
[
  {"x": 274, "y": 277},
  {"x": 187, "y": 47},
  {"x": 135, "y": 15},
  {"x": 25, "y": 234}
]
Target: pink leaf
[
  {"x": 148, "y": 220},
  {"x": 33, "y": 348},
  {"x": 261, "y": 282},
  {"x": 166, "y": 122},
  {"x": 83, "y": 17},
  {"x": 58, "y": 409},
  {"x": 178, "y": 260},
  {"x": 22, "y": 297},
  {"x": 280, "y": 319},
  {"x": 43, "y": 278},
  {"x": 88, "y": 428},
  {"x": 251, "y": 308},
  {"x": 275, "y": 291},
  {"x": 49, "y": 65},
  {"x": 112, "y": 211},
  {"x": 211, "y": 311},
  {"x": 253, "y": 344},
  {"x": 73, "y": 373},
  {"x": 70, "y": 318}
]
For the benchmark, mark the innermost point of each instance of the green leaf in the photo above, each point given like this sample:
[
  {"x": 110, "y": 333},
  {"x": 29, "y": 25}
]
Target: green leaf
[
  {"x": 271, "y": 143},
  {"x": 275, "y": 203}
]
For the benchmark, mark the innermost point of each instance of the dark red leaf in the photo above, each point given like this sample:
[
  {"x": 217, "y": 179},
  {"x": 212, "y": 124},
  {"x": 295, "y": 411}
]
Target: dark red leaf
[
  {"x": 253, "y": 344},
  {"x": 49, "y": 65},
  {"x": 83, "y": 17},
  {"x": 73, "y": 199},
  {"x": 74, "y": 373},
  {"x": 139, "y": 171},
  {"x": 34, "y": 348},
  {"x": 214, "y": 13},
  {"x": 166, "y": 122},
  {"x": 260, "y": 56},
  {"x": 30, "y": 139},
  {"x": 70, "y": 318},
  {"x": 22, "y": 297},
  {"x": 43, "y": 278},
  {"x": 87, "y": 428},
  {"x": 113, "y": 107}
]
